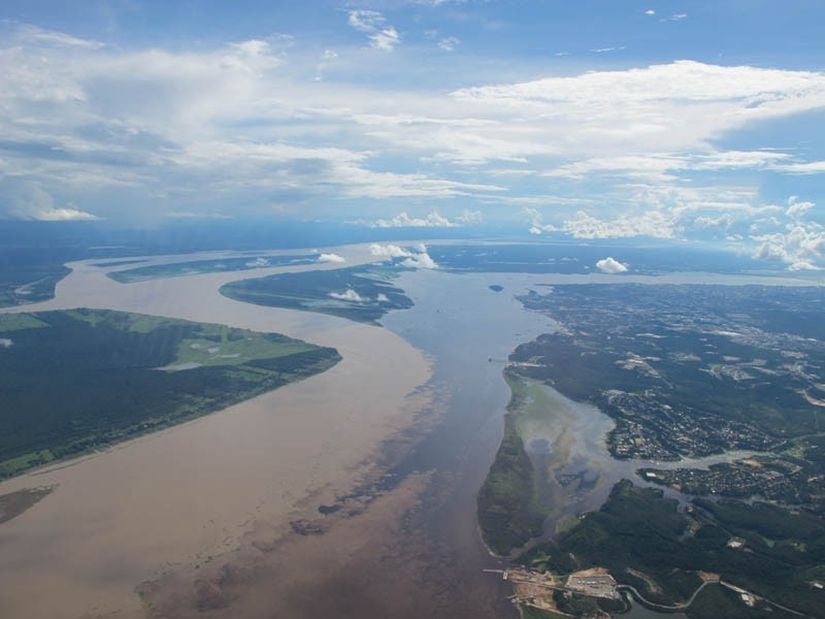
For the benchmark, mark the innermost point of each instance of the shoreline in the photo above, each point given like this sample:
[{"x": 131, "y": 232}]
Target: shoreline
[{"x": 266, "y": 469}]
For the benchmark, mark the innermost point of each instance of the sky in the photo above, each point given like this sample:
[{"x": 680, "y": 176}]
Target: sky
[{"x": 682, "y": 120}]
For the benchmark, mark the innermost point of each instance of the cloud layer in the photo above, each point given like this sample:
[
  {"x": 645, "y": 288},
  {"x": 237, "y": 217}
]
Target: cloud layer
[{"x": 273, "y": 125}]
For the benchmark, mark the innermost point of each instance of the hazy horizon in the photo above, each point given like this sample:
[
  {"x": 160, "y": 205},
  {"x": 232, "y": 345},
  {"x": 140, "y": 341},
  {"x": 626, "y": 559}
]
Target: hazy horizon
[{"x": 694, "y": 121}]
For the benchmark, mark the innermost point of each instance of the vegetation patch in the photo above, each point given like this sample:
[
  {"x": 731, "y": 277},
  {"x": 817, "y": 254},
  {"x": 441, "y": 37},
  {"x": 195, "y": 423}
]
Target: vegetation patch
[
  {"x": 74, "y": 381},
  {"x": 509, "y": 512},
  {"x": 646, "y": 542},
  {"x": 29, "y": 283},
  {"x": 194, "y": 267},
  {"x": 363, "y": 294},
  {"x": 15, "y": 503}
]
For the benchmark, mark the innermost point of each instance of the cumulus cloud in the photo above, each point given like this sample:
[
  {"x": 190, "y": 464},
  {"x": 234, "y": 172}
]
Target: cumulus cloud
[
  {"x": 582, "y": 225},
  {"x": 403, "y": 220},
  {"x": 230, "y": 129},
  {"x": 331, "y": 258},
  {"x": 389, "y": 251},
  {"x": 5, "y": 342},
  {"x": 611, "y": 265},
  {"x": 28, "y": 200},
  {"x": 798, "y": 208},
  {"x": 64, "y": 214},
  {"x": 421, "y": 260},
  {"x": 537, "y": 225},
  {"x": 417, "y": 258},
  {"x": 381, "y": 35},
  {"x": 651, "y": 223},
  {"x": 349, "y": 295},
  {"x": 432, "y": 220},
  {"x": 799, "y": 244}
]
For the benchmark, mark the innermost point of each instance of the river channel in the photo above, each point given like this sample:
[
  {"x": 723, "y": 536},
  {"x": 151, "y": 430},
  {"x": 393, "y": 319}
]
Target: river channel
[{"x": 230, "y": 485}]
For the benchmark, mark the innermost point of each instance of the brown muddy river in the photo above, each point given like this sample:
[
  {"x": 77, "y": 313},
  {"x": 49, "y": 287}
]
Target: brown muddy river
[{"x": 351, "y": 494}]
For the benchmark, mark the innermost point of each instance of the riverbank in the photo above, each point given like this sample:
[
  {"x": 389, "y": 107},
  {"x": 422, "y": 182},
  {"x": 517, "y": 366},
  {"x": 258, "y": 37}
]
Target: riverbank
[{"x": 169, "y": 501}]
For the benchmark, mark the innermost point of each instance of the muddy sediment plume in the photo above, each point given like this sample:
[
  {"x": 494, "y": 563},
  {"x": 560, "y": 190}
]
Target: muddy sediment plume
[{"x": 379, "y": 563}]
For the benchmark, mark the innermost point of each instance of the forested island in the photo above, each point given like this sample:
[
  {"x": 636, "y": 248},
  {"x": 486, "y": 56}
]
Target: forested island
[
  {"x": 363, "y": 293},
  {"x": 195, "y": 267},
  {"x": 78, "y": 380}
]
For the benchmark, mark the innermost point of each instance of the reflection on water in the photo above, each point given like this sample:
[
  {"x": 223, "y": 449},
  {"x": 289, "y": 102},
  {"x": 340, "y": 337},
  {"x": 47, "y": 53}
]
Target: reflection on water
[
  {"x": 247, "y": 459},
  {"x": 469, "y": 331},
  {"x": 576, "y": 466}
]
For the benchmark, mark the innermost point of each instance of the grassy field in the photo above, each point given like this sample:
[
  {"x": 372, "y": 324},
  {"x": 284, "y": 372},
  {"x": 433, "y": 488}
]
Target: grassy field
[{"x": 74, "y": 381}]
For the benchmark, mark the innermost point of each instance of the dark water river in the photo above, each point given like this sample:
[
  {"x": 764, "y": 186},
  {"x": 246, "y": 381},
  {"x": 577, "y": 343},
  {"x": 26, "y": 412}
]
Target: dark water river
[{"x": 468, "y": 331}]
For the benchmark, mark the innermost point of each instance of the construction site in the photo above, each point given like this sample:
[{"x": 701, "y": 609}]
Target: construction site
[{"x": 536, "y": 589}]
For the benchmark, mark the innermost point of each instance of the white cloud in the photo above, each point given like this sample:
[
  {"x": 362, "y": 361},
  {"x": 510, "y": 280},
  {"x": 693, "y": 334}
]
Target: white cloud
[
  {"x": 605, "y": 50},
  {"x": 418, "y": 259},
  {"x": 331, "y": 258},
  {"x": 365, "y": 20},
  {"x": 469, "y": 217},
  {"x": 244, "y": 128},
  {"x": 433, "y": 219},
  {"x": 650, "y": 12},
  {"x": 350, "y": 295},
  {"x": 650, "y": 223},
  {"x": 28, "y": 200},
  {"x": 448, "y": 44},
  {"x": 381, "y": 35},
  {"x": 64, "y": 214},
  {"x": 5, "y": 342},
  {"x": 660, "y": 108},
  {"x": 537, "y": 225},
  {"x": 327, "y": 58},
  {"x": 812, "y": 167},
  {"x": 661, "y": 166},
  {"x": 611, "y": 265},
  {"x": 800, "y": 245},
  {"x": 41, "y": 36},
  {"x": 385, "y": 39},
  {"x": 797, "y": 208},
  {"x": 389, "y": 250}
]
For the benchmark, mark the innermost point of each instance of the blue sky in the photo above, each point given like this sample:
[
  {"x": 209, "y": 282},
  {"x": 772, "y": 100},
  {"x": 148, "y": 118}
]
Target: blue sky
[{"x": 684, "y": 120}]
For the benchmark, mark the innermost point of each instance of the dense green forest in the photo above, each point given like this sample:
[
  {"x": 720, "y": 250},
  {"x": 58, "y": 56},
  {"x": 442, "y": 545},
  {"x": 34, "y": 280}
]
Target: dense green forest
[
  {"x": 507, "y": 511},
  {"x": 29, "y": 283},
  {"x": 646, "y": 542},
  {"x": 361, "y": 293},
  {"x": 77, "y": 380}
]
